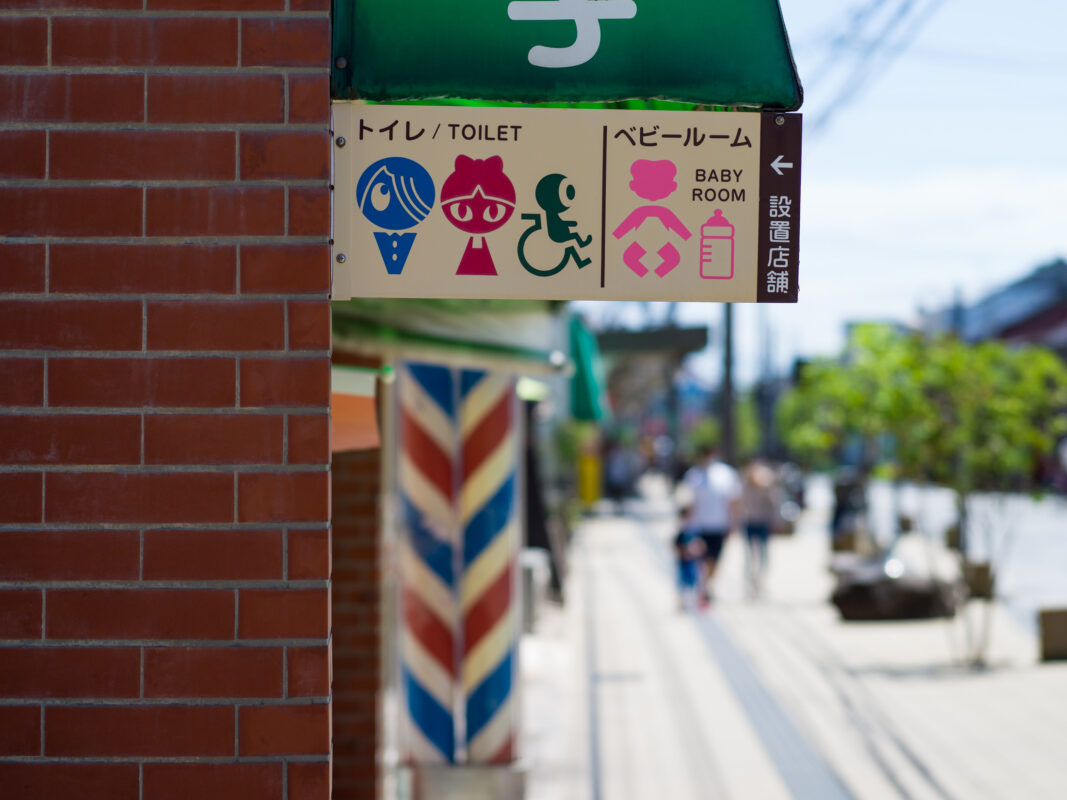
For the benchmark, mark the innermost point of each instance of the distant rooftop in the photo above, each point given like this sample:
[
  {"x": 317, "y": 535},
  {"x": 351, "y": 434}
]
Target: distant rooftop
[{"x": 1004, "y": 309}]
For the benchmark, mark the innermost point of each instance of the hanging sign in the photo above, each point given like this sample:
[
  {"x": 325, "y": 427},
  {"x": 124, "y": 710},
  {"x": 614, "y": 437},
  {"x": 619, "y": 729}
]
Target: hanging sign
[
  {"x": 438, "y": 201},
  {"x": 724, "y": 52}
]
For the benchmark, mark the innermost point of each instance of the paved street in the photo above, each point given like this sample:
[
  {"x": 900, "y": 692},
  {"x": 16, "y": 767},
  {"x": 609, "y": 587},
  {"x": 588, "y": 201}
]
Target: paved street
[{"x": 627, "y": 698}]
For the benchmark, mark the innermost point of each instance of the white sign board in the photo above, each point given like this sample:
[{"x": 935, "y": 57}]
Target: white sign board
[{"x": 565, "y": 204}]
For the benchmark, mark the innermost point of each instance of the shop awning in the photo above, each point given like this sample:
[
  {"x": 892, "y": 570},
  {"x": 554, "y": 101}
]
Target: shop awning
[
  {"x": 353, "y": 409},
  {"x": 521, "y": 337},
  {"x": 587, "y": 383},
  {"x": 710, "y": 52}
]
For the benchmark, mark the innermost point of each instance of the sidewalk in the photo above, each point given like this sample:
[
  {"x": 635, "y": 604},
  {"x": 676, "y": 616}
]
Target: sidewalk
[{"x": 625, "y": 697}]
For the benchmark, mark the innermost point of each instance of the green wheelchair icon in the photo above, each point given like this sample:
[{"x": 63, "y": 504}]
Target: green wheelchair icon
[{"x": 554, "y": 194}]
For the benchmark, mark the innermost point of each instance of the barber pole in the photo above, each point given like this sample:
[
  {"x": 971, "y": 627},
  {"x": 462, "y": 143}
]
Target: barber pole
[
  {"x": 458, "y": 485},
  {"x": 489, "y": 516},
  {"x": 426, "y": 483}
]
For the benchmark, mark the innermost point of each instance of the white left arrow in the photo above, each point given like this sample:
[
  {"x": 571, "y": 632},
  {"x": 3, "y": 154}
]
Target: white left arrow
[{"x": 778, "y": 165}]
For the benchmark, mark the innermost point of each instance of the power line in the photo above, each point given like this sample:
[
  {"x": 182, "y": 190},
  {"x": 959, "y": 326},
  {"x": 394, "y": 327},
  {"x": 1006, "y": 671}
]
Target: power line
[
  {"x": 1000, "y": 63},
  {"x": 840, "y": 44},
  {"x": 881, "y": 51},
  {"x": 865, "y": 63}
]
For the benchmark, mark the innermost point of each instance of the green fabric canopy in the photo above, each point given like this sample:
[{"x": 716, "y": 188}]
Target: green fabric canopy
[
  {"x": 587, "y": 383},
  {"x": 709, "y": 52}
]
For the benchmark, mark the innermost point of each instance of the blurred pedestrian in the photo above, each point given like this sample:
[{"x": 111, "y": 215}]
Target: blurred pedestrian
[
  {"x": 688, "y": 548},
  {"x": 713, "y": 491},
  {"x": 760, "y": 500},
  {"x": 622, "y": 467},
  {"x": 849, "y": 502}
]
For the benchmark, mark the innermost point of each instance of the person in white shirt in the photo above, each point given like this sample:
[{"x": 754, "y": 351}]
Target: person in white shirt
[{"x": 710, "y": 511}]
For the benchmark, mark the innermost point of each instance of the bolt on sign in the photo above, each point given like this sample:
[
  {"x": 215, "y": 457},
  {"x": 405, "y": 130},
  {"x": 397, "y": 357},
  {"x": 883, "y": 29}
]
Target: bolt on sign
[
  {"x": 727, "y": 52},
  {"x": 565, "y": 204}
]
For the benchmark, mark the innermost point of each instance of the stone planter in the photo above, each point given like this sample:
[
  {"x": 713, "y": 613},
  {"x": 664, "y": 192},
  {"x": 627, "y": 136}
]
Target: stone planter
[{"x": 1053, "y": 623}]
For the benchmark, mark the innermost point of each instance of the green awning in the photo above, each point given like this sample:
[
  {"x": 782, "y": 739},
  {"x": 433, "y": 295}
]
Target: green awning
[
  {"x": 518, "y": 336},
  {"x": 587, "y": 383},
  {"x": 709, "y": 52}
]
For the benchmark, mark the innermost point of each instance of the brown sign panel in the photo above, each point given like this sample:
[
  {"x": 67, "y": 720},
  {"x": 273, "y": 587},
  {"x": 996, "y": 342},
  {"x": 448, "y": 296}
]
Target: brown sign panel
[
  {"x": 444, "y": 201},
  {"x": 779, "y": 219}
]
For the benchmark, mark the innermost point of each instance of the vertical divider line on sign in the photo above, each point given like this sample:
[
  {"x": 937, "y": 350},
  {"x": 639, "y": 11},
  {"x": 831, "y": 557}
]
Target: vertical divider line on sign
[{"x": 603, "y": 206}]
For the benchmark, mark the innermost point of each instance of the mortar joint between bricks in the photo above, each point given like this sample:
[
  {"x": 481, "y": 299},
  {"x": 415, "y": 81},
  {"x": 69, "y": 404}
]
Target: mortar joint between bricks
[
  {"x": 135, "y": 584},
  {"x": 172, "y": 297},
  {"x": 192, "y": 70},
  {"x": 60, "y": 760},
  {"x": 84, "y": 644},
  {"x": 211, "y": 240},
  {"x": 145, "y": 185},
  {"x": 279, "y": 15},
  {"x": 165, "y": 469},
  {"x": 166, "y": 702}
]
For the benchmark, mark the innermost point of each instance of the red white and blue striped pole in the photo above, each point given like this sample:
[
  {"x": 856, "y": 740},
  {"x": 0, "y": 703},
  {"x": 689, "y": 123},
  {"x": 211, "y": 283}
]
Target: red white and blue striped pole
[
  {"x": 426, "y": 482},
  {"x": 489, "y": 517},
  {"x": 459, "y": 492}
]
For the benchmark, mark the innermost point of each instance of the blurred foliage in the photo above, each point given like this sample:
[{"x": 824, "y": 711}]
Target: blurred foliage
[
  {"x": 706, "y": 432},
  {"x": 749, "y": 430},
  {"x": 973, "y": 417},
  {"x": 811, "y": 417},
  {"x": 624, "y": 434},
  {"x": 574, "y": 437}
]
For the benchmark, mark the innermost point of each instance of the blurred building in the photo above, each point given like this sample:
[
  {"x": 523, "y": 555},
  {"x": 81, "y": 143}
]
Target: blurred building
[
  {"x": 643, "y": 369},
  {"x": 1031, "y": 310}
]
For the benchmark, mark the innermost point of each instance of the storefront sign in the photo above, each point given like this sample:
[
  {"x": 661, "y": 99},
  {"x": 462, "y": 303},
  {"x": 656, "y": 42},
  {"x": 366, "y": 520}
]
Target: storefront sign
[
  {"x": 723, "y": 52},
  {"x": 565, "y": 204}
]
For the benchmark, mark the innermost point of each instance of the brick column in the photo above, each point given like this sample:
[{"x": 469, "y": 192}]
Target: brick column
[
  {"x": 164, "y": 445},
  {"x": 357, "y": 637}
]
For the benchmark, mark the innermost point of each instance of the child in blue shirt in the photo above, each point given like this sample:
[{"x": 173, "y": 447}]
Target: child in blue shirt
[{"x": 688, "y": 547}]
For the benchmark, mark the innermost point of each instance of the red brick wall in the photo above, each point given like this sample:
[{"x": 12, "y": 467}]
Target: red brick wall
[
  {"x": 164, "y": 375},
  {"x": 356, "y": 614}
]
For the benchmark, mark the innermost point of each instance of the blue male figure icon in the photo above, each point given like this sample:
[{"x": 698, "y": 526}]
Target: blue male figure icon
[{"x": 395, "y": 194}]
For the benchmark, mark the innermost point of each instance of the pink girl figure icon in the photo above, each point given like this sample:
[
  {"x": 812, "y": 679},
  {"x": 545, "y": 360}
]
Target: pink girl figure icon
[
  {"x": 652, "y": 180},
  {"x": 478, "y": 198}
]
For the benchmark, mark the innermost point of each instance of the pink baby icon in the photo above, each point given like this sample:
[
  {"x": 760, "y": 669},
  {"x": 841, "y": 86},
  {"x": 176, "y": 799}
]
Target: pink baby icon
[{"x": 652, "y": 180}]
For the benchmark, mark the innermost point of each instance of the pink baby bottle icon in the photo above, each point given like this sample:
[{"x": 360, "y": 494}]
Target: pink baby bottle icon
[{"x": 717, "y": 248}]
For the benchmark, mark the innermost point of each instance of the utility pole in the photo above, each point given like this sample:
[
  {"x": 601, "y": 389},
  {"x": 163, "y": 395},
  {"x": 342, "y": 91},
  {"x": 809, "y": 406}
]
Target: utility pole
[
  {"x": 766, "y": 388},
  {"x": 726, "y": 395}
]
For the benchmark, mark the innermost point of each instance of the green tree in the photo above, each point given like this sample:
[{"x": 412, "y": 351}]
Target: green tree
[
  {"x": 749, "y": 433},
  {"x": 705, "y": 432},
  {"x": 812, "y": 418},
  {"x": 999, "y": 411},
  {"x": 974, "y": 418}
]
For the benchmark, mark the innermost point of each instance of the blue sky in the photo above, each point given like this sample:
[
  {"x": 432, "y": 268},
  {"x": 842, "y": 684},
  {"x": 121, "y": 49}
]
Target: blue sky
[{"x": 944, "y": 172}]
